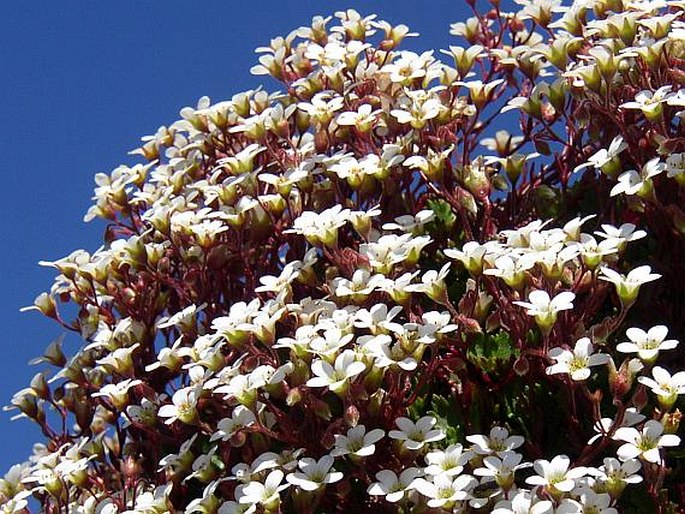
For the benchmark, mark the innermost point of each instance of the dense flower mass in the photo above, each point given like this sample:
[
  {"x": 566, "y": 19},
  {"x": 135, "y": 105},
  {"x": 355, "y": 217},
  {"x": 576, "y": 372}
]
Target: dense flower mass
[{"x": 360, "y": 294}]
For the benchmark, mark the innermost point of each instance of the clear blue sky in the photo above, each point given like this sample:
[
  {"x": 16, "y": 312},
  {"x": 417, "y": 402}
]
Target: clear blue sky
[{"x": 81, "y": 82}]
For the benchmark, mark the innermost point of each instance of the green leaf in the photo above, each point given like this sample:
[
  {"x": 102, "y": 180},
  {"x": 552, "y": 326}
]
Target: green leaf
[
  {"x": 447, "y": 418},
  {"x": 492, "y": 352},
  {"x": 444, "y": 216}
]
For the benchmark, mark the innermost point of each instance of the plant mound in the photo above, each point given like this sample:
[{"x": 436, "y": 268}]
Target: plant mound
[{"x": 361, "y": 294}]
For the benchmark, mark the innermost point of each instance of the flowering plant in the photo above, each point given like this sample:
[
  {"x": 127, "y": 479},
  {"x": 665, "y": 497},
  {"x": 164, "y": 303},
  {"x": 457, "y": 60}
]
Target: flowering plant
[{"x": 356, "y": 295}]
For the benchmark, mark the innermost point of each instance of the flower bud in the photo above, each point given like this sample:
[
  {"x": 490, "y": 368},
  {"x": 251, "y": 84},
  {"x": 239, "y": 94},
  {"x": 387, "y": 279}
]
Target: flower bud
[
  {"x": 671, "y": 421},
  {"x": 27, "y": 404},
  {"x": 640, "y": 398},
  {"x": 322, "y": 410},
  {"x": 53, "y": 484},
  {"x": 40, "y": 386},
  {"x": 294, "y": 397},
  {"x": 351, "y": 416},
  {"x": 130, "y": 467},
  {"x": 521, "y": 366},
  {"x": 45, "y": 304},
  {"x": 375, "y": 403},
  {"x": 621, "y": 380},
  {"x": 53, "y": 354},
  {"x": 84, "y": 414}
]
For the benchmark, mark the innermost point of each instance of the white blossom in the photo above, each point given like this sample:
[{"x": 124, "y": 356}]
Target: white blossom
[
  {"x": 645, "y": 444},
  {"x": 578, "y": 362},
  {"x": 415, "y": 436},
  {"x": 314, "y": 474}
]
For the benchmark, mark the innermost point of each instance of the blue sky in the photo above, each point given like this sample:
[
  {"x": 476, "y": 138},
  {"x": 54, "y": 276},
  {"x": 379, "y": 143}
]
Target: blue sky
[{"x": 81, "y": 82}]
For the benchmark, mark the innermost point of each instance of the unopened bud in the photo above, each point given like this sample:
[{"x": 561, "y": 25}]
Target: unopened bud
[
  {"x": 238, "y": 439},
  {"x": 621, "y": 380},
  {"x": 45, "y": 304},
  {"x": 84, "y": 414},
  {"x": 671, "y": 421},
  {"x": 521, "y": 366},
  {"x": 294, "y": 397},
  {"x": 322, "y": 410},
  {"x": 40, "y": 386},
  {"x": 352, "y": 416},
  {"x": 130, "y": 467},
  {"x": 640, "y": 398}
]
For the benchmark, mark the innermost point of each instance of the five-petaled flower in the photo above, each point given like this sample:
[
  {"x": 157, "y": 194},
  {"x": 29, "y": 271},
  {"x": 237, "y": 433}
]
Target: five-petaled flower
[
  {"x": 645, "y": 444},
  {"x": 648, "y": 344},
  {"x": 578, "y": 362},
  {"x": 415, "y": 436},
  {"x": 667, "y": 387},
  {"x": 545, "y": 309}
]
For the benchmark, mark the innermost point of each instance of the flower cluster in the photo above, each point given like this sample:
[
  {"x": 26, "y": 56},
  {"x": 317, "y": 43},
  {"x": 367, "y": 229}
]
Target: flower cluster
[{"x": 352, "y": 296}]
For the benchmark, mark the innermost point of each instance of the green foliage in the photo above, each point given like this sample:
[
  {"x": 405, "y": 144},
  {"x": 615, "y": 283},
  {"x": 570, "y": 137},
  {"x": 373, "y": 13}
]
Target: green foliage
[{"x": 492, "y": 352}]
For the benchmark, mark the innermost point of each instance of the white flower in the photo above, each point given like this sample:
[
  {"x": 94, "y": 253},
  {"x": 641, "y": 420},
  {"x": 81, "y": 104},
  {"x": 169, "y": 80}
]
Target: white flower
[
  {"x": 143, "y": 414},
  {"x": 645, "y": 444},
  {"x": 314, "y": 474},
  {"x": 449, "y": 461},
  {"x": 578, "y": 362},
  {"x": 415, "y": 435},
  {"x": 501, "y": 469},
  {"x": 589, "y": 501},
  {"x": 243, "y": 388},
  {"x": 432, "y": 283},
  {"x": 648, "y": 344},
  {"x": 632, "y": 182},
  {"x": 354, "y": 171},
  {"x": 181, "y": 318},
  {"x": 544, "y": 308},
  {"x": 499, "y": 442},
  {"x": 242, "y": 417},
  {"x": 118, "y": 392},
  {"x": 418, "y": 113},
  {"x": 605, "y": 156},
  {"x": 621, "y": 235},
  {"x": 556, "y": 474},
  {"x": 274, "y": 284},
  {"x": 628, "y": 286},
  {"x": 286, "y": 460},
  {"x": 665, "y": 386},
  {"x": 602, "y": 427},
  {"x": 182, "y": 407},
  {"x": 361, "y": 285},
  {"x": 363, "y": 119},
  {"x": 357, "y": 442},
  {"x": 650, "y": 102},
  {"x": 675, "y": 165},
  {"x": 322, "y": 107},
  {"x": 524, "y": 503},
  {"x": 572, "y": 227},
  {"x": 512, "y": 268},
  {"x": 409, "y": 223},
  {"x": 345, "y": 368},
  {"x": 320, "y": 228},
  {"x": 445, "y": 489},
  {"x": 471, "y": 256},
  {"x": 330, "y": 344},
  {"x": 384, "y": 355},
  {"x": 266, "y": 494},
  {"x": 376, "y": 318},
  {"x": 391, "y": 486},
  {"x": 592, "y": 253},
  {"x": 200, "y": 504},
  {"x": 438, "y": 322},
  {"x": 408, "y": 66},
  {"x": 616, "y": 474}
]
